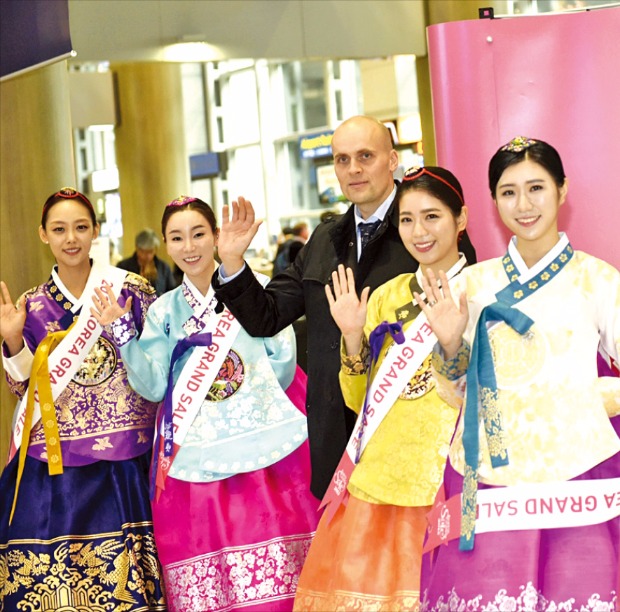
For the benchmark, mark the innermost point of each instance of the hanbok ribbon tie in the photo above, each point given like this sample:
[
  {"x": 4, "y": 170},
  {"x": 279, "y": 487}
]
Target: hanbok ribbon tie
[
  {"x": 40, "y": 380},
  {"x": 375, "y": 340},
  {"x": 481, "y": 378},
  {"x": 482, "y": 395},
  {"x": 179, "y": 350}
]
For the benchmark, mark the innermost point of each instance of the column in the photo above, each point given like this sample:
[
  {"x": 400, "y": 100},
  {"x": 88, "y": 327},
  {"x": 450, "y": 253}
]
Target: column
[
  {"x": 150, "y": 145},
  {"x": 37, "y": 159}
]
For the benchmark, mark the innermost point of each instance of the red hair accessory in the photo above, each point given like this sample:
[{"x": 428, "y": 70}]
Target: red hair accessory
[
  {"x": 67, "y": 193},
  {"x": 416, "y": 172}
]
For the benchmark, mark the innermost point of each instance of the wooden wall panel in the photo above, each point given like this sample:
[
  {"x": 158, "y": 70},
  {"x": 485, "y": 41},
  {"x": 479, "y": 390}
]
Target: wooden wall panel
[{"x": 37, "y": 159}]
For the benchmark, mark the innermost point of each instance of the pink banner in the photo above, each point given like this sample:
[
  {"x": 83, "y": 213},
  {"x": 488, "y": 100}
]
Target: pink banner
[{"x": 553, "y": 77}]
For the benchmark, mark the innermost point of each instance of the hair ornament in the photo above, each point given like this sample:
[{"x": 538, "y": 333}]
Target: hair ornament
[
  {"x": 181, "y": 201},
  {"x": 416, "y": 172},
  {"x": 518, "y": 144},
  {"x": 67, "y": 193}
]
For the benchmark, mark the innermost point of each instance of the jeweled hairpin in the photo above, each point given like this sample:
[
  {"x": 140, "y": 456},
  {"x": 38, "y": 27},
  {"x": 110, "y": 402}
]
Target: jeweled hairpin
[
  {"x": 417, "y": 171},
  {"x": 412, "y": 173},
  {"x": 518, "y": 144},
  {"x": 181, "y": 201},
  {"x": 68, "y": 192}
]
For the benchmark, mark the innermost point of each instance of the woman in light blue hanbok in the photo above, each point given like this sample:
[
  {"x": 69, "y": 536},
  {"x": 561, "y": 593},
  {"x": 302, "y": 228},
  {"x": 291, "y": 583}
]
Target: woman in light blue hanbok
[{"x": 232, "y": 509}]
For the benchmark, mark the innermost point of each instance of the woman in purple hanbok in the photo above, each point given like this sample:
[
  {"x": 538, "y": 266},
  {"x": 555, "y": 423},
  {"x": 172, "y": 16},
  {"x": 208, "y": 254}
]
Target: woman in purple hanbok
[
  {"x": 536, "y": 452},
  {"x": 76, "y": 531}
]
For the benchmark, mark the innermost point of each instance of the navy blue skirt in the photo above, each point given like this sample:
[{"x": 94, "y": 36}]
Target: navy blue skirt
[{"x": 82, "y": 540}]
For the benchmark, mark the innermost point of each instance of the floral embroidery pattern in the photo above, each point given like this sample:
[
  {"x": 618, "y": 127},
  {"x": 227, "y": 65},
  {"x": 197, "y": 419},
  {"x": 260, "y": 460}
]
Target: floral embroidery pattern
[
  {"x": 468, "y": 517},
  {"x": 98, "y": 365},
  {"x": 96, "y": 402},
  {"x": 493, "y": 423},
  {"x": 456, "y": 367},
  {"x": 123, "y": 329},
  {"x": 421, "y": 383},
  {"x": 116, "y": 571},
  {"x": 245, "y": 575},
  {"x": 529, "y": 599},
  {"x": 356, "y": 364}
]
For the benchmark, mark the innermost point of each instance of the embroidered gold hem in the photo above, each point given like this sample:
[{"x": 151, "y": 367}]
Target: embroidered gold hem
[{"x": 115, "y": 571}]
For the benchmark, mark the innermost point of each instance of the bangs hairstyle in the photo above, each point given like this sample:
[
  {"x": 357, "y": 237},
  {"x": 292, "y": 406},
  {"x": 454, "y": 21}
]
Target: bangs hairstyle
[
  {"x": 444, "y": 186},
  {"x": 188, "y": 204},
  {"x": 67, "y": 193},
  {"x": 537, "y": 151}
]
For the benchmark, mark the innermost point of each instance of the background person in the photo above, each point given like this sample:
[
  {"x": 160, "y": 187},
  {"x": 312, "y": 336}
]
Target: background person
[
  {"x": 145, "y": 262},
  {"x": 287, "y": 251}
]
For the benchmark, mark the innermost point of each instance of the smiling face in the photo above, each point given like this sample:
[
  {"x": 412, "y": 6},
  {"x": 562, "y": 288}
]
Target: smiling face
[
  {"x": 364, "y": 161},
  {"x": 528, "y": 200},
  {"x": 190, "y": 242},
  {"x": 429, "y": 230},
  {"x": 69, "y": 231}
]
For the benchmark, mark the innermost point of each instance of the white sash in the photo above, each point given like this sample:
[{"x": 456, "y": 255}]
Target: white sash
[
  {"x": 393, "y": 375},
  {"x": 69, "y": 355},
  {"x": 200, "y": 370},
  {"x": 548, "y": 505},
  {"x": 543, "y": 505},
  {"x": 395, "y": 372}
]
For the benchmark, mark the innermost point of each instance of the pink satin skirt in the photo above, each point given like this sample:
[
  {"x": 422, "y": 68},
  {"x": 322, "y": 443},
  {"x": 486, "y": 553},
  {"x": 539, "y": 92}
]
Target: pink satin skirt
[
  {"x": 239, "y": 542},
  {"x": 569, "y": 568}
]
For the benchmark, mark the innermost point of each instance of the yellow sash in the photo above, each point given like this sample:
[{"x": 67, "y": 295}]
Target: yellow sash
[{"x": 40, "y": 379}]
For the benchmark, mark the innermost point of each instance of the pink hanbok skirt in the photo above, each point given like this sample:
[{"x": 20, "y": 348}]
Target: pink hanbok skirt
[
  {"x": 239, "y": 542},
  {"x": 569, "y": 568}
]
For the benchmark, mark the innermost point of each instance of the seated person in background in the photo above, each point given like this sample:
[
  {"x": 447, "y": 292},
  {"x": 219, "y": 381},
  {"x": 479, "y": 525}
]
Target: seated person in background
[
  {"x": 288, "y": 250},
  {"x": 145, "y": 263}
]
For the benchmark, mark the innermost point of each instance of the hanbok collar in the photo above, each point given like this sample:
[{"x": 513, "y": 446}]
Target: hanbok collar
[
  {"x": 457, "y": 268},
  {"x": 526, "y": 273},
  {"x": 202, "y": 306},
  {"x": 194, "y": 297},
  {"x": 63, "y": 295}
]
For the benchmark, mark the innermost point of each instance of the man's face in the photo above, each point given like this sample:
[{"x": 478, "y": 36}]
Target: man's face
[
  {"x": 364, "y": 161},
  {"x": 145, "y": 256}
]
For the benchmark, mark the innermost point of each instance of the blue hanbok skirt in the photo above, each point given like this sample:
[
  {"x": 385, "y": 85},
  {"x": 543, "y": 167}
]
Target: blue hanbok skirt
[{"x": 82, "y": 540}]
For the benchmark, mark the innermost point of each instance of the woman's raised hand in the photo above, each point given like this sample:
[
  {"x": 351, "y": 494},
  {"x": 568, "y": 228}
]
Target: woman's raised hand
[
  {"x": 447, "y": 319},
  {"x": 12, "y": 320},
  {"x": 106, "y": 308},
  {"x": 236, "y": 234},
  {"x": 348, "y": 311}
]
